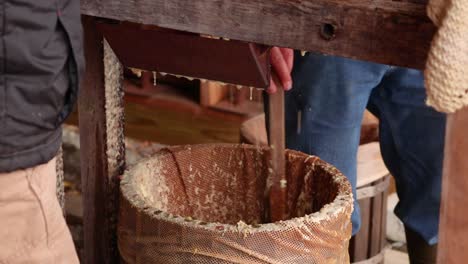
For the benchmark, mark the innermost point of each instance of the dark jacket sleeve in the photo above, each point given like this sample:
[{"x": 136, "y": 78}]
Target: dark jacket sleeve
[{"x": 41, "y": 53}]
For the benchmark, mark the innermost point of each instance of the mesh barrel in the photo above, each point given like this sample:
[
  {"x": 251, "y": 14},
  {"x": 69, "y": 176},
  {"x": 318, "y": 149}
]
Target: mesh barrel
[{"x": 207, "y": 204}]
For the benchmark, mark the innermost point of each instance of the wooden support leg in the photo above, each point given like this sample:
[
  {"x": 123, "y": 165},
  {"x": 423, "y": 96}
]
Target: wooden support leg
[
  {"x": 453, "y": 233},
  {"x": 102, "y": 146}
]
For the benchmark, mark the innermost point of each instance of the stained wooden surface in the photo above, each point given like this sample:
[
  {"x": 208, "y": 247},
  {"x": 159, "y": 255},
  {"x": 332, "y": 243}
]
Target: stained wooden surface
[
  {"x": 181, "y": 53},
  {"x": 277, "y": 141},
  {"x": 360, "y": 244},
  {"x": 99, "y": 190},
  {"x": 384, "y": 31},
  {"x": 383, "y": 234},
  {"x": 453, "y": 233},
  {"x": 376, "y": 223}
]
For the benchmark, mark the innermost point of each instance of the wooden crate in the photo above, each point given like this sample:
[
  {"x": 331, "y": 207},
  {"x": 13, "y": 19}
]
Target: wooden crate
[{"x": 369, "y": 244}]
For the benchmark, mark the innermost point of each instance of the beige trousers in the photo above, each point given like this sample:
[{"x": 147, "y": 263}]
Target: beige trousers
[{"x": 32, "y": 227}]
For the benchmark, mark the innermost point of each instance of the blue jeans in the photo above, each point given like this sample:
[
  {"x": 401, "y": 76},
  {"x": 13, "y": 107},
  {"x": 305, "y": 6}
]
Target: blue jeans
[{"x": 332, "y": 94}]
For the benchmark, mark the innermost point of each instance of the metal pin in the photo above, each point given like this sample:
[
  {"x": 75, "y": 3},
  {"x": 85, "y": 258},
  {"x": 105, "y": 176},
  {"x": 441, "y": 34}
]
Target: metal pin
[
  {"x": 154, "y": 78},
  {"x": 251, "y": 93},
  {"x": 299, "y": 122}
]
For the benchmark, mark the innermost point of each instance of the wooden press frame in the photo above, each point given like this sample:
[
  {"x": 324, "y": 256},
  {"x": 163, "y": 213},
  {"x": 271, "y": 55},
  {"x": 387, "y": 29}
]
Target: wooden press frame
[{"x": 383, "y": 31}]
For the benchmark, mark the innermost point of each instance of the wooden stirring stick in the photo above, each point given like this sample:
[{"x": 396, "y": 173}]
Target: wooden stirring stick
[{"x": 278, "y": 194}]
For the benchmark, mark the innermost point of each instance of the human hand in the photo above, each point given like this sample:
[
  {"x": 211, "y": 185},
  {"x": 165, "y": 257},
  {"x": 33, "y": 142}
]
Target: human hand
[{"x": 282, "y": 64}]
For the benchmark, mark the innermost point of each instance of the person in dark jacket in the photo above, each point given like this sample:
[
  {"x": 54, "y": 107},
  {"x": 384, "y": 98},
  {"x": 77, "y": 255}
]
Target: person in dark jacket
[{"x": 41, "y": 62}]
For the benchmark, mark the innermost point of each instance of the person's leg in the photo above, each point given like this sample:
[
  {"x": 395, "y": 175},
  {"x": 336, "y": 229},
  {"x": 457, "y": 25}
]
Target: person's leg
[
  {"x": 325, "y": 107},
  {"x": 412, "y": 143},
  {"x": 32, "y": 226}
]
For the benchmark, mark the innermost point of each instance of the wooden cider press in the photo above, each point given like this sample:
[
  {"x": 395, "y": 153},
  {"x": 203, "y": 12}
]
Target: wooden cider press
[{"x": 209, "y": 58}]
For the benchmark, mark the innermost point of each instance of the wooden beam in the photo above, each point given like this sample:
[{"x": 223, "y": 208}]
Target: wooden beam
[
  {"x": 453, "y": 233},
  {"x": 102, "y": 152},
  {"x": 383, "y": 31},
  {"x": 177, "y": 52}
]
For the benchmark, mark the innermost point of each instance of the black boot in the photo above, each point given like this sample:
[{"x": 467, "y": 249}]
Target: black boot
[{"x": 419, "y": 251}]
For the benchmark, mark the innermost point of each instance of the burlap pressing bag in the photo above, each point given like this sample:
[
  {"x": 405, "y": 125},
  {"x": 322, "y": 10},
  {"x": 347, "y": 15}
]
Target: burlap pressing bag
[{"x": 206, "y": 204}]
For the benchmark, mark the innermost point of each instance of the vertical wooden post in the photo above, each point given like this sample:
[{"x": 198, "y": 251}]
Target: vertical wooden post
[
  {"x": 277, "y": 138},
  {"x": 102, "y": 146},
  {"x": 453, "y": 233},
  {"x": 212, "y": 93}
]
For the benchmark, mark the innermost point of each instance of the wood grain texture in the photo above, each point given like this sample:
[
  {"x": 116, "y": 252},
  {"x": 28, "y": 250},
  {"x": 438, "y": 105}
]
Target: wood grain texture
[
  {"x": 277, "y": 141},
  {"x": 376, "y": 223},
  {"x": 360, "y": 245},
  {"x": 453, "y": 232},
  {"x": 100, "y": 186},
  {"x": 187, "y": 54},
  {"x": 384, "y": 31},
  {"x": 383, "y": 235}
]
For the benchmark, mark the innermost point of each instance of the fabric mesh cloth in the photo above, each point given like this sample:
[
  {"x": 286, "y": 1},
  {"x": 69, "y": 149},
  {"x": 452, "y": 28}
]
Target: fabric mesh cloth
[
  {"x": 207, "y": 204},
  {"x": 446, "y": 70}
]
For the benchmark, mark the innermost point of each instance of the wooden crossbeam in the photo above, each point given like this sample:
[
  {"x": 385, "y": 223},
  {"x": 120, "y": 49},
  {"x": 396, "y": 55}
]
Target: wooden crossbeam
[{"x": 383, "y": 31}]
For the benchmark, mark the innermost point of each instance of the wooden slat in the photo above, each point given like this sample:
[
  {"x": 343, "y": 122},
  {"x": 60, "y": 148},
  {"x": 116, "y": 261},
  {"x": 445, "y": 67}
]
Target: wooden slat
[
  {"x": 453, "y": 233},
  {"x": 177, "y": 52},
  {"x": 99, "y": 168},
  {"x": 383, "y": 235},
  {"x": 361, "y": 240},
  {"x": 384, "y": 31},
  {"x": 376, "y": 224}
]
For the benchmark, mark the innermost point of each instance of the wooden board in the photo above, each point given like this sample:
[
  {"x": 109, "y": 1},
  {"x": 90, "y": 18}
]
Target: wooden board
[
  {"x": 212, "y": 93},
  {"x": 384, "y": 31},
  {"x": 277, "y": 142},
  {"x": 376, "y": 223},
  {"x": 453, "y": 233},
  {"x": 181, "y": 53},
  {"x": 102, "y": 148},
  {"x": 370, "y": 165},
  {"x": 360, "y": 243},
  {"x": 93, "y": 151}
]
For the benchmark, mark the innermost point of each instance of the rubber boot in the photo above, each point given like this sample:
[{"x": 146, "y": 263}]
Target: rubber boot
[{"x": 419, "y": 251}]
